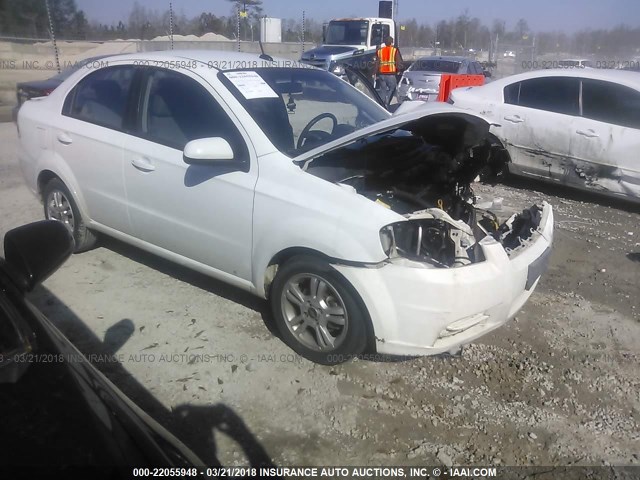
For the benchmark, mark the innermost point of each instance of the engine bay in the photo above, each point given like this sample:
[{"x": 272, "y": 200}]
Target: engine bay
[{"x": 424, "y": 172}]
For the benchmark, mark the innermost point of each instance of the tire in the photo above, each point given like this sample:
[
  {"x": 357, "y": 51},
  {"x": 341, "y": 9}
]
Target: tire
[
  {"x": 317, "y": 312},
  {"x": 59, "y": 205}
]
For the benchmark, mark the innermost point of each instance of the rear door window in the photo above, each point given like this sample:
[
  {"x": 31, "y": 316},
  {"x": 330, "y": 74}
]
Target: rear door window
[
  {"x": 552, "y": 94},
  {"x": 102, "y": 97},
  {"x": 512, "y": 93},
  {"x": 610, "y": 103},
  {"x": 435, "y": 65}
]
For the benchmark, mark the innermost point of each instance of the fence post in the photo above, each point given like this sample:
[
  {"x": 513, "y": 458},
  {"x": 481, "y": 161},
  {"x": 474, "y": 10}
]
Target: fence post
[
  {"x": 171, "y": 23},
  {"x": 238, "y": 26},
  {"x": 303, "y": 16},
  {"x": 53, "y": 37}
]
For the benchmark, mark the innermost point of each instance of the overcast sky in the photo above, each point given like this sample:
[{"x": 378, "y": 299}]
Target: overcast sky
[{"x": 542, "y": 15}]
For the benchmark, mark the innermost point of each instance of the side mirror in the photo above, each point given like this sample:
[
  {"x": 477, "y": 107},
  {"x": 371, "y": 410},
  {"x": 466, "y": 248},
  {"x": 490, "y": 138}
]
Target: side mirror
[
  {"x": 208, "y": 151},
  {"x": 36, "y": 250}
]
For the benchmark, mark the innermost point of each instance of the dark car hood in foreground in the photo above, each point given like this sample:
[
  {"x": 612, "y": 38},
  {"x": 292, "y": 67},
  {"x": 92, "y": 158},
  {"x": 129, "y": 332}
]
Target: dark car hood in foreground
[{"x": 63, "y": 412}]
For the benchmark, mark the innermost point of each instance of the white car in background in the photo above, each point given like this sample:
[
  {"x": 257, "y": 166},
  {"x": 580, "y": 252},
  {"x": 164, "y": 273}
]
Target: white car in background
[
  {"x": 579, "y": 127},
  {"x": 358, "y": 226}
]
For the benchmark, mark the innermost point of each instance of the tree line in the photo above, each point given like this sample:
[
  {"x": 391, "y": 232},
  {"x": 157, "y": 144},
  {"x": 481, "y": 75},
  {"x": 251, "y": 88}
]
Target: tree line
[{"x": 28, "y": 18}]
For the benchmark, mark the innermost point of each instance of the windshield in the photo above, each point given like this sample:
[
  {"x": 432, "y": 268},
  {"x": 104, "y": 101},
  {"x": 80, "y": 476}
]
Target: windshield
[
  {"x": 435, "y": 65},
  {"x": 300, "y": 109},
  {"x": 352, "y": 32}
]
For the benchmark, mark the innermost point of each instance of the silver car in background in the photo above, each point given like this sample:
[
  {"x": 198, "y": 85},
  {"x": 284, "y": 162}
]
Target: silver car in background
[{"x": 421, "y": 81}]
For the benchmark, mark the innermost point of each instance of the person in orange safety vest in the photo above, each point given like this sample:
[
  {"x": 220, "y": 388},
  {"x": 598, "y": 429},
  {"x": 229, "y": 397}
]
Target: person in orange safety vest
[{"x": 388, "y": 63}]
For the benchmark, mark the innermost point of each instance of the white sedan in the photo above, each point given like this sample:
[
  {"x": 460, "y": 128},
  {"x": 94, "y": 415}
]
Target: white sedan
[
  {"x": 286, "y": 181},
  {"x": 579, "y": 127}
]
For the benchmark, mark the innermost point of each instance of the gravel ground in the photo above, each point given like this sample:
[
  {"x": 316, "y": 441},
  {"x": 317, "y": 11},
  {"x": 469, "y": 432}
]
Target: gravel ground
[{"x": 559, "y": 385}]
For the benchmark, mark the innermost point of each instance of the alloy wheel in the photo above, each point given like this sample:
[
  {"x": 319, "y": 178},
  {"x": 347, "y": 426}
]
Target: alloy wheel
[
  {"x": 59, "y": 208},
  {"x": 314, "y": 312}
]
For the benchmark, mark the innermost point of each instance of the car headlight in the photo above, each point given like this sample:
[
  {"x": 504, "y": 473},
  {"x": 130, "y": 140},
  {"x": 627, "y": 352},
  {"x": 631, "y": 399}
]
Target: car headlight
[
  {"x": 387, "y": 240},
  {"x": 427, "y": 240}
]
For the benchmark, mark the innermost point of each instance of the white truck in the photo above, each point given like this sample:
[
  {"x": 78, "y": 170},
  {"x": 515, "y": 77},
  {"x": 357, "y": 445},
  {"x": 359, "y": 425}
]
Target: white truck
[{"x": 345, "y": 39}]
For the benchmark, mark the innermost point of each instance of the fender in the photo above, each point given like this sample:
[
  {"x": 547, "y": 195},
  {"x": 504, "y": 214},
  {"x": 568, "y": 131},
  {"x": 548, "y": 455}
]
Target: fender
[
  {"x": 322, "y": 237},
  {"x": 294, "y": 209},
  {"x": 37, "y": 155},
  {"x": 54, "y": 163}
]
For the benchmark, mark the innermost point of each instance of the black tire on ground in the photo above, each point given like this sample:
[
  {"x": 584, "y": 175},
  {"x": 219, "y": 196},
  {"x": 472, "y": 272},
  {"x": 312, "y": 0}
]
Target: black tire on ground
[
  {"x": 350, "y": 331},
  {"x": 84, "y": 238}
]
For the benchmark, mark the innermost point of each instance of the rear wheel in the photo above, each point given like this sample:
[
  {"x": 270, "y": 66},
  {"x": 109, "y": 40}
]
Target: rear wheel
[
  {"x": 318, "y": 313},
  {"x": 59, "y": 205}
]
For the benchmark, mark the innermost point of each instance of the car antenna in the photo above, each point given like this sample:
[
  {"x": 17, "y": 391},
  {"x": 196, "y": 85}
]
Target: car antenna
[{"x": 263, "y": 55}]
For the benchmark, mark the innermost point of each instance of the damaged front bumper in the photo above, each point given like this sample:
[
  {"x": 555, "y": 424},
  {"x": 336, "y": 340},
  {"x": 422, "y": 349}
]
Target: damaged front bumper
[{"x": 418, "y": 310}]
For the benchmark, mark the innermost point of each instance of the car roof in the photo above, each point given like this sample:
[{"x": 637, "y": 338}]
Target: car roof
[{"x": 217, "y": 59}]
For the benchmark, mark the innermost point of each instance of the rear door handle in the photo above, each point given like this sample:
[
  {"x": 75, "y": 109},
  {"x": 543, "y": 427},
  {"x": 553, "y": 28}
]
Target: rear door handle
[
  {"x": 514, "y": 119},
  {"x": 143, "y": 164},
  {"x": 65, "y": 139},
  {"x": 587, "y": 133}
]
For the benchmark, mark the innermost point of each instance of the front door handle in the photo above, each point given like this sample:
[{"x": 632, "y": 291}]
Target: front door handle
[
  {"x": 65, "y": 139},
  {"x": 143, "y": 164},
  {"x": 514, "y": 119},
  {"x": 587, "y": 133}
]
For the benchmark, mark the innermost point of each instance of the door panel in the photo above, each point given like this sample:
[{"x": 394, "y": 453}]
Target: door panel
[
  {"x": 537, "y": 141},
  {"x": 535, "y": 125},
  {"x": 606, "y": 138},
  {"x": 88, "y": 137},
  {"x": 197, "y": 211}
]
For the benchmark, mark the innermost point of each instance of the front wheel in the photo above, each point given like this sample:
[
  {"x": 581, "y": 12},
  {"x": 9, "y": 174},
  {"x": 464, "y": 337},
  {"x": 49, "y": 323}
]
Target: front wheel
[
  {"x": 318, "y": 313},
  {"x": 59, "y": 205}
]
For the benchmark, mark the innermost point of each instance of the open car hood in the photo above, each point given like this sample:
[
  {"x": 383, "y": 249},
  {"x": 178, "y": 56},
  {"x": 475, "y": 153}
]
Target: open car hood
[
  {"x": 425, "y": 158},
  {"x": 419, "y": 120}
]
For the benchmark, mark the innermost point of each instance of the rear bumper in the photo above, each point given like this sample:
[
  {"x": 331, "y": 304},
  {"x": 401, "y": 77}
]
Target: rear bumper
[{"x": 427, "y": 311}]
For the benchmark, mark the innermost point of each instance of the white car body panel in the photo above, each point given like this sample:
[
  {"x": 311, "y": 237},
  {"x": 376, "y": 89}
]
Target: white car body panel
[
  {"x": 585, "y": 153},
  {"x": 537, "y": 141},
  {"x": 413, "y": 305},
  {"x": 96, "y": 163},
  {"x": 231, "y": 225}
]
